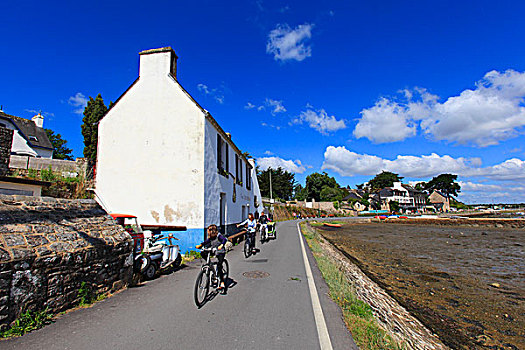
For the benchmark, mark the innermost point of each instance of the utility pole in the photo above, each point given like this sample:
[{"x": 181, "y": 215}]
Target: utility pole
[{"x": 271, "y": 195}]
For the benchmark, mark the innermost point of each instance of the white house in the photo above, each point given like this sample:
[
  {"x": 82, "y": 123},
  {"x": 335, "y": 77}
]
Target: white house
[
  {"x": 409, "y": 199},
  {"x": 29, "y": 136},
  {"x": 165, "y": 159}
]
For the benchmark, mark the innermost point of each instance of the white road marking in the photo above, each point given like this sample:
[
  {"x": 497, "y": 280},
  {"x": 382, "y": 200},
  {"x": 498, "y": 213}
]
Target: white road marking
[{"x": 322, "y": 330}]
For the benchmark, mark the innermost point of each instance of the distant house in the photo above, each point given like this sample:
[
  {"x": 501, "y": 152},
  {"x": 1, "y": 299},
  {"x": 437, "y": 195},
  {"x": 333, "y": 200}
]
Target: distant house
[
  {"x": 163, "y": 158},
  {"x": 440, "y": 201},
  {"x": 409, "y": 199},
  {"x": 354, "y": 198},
  {"x": 29, "y": 136}
]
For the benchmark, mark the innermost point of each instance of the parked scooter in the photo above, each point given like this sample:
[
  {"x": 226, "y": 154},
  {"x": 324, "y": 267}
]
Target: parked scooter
[{"x": 159, "y": 255}]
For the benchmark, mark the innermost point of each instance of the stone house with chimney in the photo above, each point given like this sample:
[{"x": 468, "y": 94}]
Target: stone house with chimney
[
  {"x": 164, "y": 158},
  {"x": 440, "y": 201}
]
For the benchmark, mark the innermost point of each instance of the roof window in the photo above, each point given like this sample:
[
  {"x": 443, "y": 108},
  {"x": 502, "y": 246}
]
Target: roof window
[{"x": 33, "y": 138}]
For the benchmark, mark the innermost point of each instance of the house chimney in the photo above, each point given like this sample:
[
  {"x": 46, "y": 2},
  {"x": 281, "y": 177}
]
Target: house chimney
[
  {"x": 38, "y": 120},
  {"x": 159, "y": 62}
]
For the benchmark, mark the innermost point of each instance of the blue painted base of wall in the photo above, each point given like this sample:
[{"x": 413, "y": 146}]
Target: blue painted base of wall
[
  {"x": 190, "y": 238},
  {"x": 187, "y": 239}
]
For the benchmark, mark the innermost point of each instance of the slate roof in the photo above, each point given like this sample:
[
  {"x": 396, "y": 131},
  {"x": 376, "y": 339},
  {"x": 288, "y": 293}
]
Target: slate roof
[
  {"x": 385, "y": 192},
  {"x": 412, "y": 190},
  {"x": 352, "y": 195},
  {"x": 28, "y": 128}
]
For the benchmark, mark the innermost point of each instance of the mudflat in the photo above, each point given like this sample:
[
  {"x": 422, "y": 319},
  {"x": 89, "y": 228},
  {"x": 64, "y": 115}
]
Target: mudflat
[{"x": 467, "y": 284}]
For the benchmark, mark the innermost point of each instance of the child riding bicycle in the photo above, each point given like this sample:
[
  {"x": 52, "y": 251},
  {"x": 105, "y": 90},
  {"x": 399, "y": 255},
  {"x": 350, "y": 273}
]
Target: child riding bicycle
[{"x": 218, "y": 242}]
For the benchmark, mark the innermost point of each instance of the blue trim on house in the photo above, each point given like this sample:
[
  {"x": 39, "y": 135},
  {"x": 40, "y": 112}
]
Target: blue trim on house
[{"x": 187, "y": 239}]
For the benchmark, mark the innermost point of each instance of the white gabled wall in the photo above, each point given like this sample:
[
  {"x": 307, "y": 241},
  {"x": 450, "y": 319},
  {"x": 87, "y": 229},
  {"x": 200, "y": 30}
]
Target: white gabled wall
[
  {"x": 215, "y": 184},
  {"x": 151, "y": 150}
]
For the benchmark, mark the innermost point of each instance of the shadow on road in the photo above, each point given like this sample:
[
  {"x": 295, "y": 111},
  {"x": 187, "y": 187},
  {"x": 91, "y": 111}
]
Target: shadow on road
[{"x": 229, "y": 283}]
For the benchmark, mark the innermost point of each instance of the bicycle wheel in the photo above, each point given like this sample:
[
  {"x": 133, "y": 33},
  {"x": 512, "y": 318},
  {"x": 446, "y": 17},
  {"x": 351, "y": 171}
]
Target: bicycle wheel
[
  {"x": 202, "y": 287},
  {"x": 225, "y": 269},
  {"x": 263, "y": 234},
  {"x": 214, "y": 279},
  {"x": 247, "y": 250}
]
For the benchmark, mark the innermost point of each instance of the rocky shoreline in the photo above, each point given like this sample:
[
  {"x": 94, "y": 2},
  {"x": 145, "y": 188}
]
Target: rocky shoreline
[
  {"x": 442, "y": 274},
  {"x": 392, "y": 317}
]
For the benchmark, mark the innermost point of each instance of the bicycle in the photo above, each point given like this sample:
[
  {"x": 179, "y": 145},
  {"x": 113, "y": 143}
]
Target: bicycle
[
  {"x": 208, "y": 276},
  {"x": 248, "y": 242},
  {"x": 263, "y": 230}
]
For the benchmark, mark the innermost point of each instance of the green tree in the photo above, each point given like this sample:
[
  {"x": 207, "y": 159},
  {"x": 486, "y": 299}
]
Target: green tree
[
  {"x": 300, "y": 193},
  {"x": 60, "y": 151},
  {"x": 394, "y": 206},
  {"x": 444, "y": 183},
  {"x": 283, "y": 183},
  {"x": 316, "y": 182},
  {"x": 94, "y": 111},
  {"x": 330, "y": 194},
  {"x": 384, "y": 179},
  {"x": 247, "y": 155},
  {"x": 420, "y": 186}
]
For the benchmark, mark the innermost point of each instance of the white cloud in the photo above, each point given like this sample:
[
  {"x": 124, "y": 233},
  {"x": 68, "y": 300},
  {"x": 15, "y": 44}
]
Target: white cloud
[
  {"x": 493, "y": 112},
  {"x": 203, "y": 88},
  {"x": 277, "y": 127},
  {"x": 320, "y": 121},
  {"x": 348, "y": 163},
  {"x": 387, "y": 121},
  {"x": 480, "y": 187},
  {"x": 276, "y": 162},
  {"x": 275, "y": 106},
  {"x": 79, "y": 101},
  {"x": 216, "y": 94},
  {"x": 491, "y": 193},
  {"x": 285, "y": 43},
  {"x": 268, "y": 153},
  {"x": 249, "y": 105}
]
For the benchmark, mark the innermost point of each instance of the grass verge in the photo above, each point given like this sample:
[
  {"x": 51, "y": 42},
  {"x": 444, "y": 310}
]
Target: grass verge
[{"x": 357, "y": 314}]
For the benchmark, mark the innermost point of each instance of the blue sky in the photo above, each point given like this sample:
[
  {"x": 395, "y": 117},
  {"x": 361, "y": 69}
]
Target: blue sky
[{"x": 352, "y": 88}]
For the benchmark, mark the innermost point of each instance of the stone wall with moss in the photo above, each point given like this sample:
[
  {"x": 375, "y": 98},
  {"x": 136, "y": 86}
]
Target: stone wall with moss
[{"x": 50, "y": 247}]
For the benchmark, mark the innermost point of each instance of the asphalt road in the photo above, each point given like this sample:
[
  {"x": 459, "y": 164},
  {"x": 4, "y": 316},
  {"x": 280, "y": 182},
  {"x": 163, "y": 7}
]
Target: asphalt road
[{"x": 265, "y": 313}]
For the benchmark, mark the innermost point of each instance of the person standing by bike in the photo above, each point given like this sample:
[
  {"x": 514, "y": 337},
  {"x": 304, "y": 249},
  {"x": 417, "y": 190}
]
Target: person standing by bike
[
  {"x": 217, "y": 241},
  {"x": 251, "y": 225}
]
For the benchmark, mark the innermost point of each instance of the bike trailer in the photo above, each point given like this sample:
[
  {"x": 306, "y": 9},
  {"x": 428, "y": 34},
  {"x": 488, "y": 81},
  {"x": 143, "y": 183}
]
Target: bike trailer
[{"x": 271, "y": 228}]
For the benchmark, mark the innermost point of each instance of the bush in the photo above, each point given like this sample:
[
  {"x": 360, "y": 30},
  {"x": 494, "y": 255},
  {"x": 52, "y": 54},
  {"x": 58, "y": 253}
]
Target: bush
[{"x": 28, "y": 321}]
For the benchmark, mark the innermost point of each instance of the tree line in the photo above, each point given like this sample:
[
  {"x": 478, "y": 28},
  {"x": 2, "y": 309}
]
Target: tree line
[{"x": 323, "y": 187}]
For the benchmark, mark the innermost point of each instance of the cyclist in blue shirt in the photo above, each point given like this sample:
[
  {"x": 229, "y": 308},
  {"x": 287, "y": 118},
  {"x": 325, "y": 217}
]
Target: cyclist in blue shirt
[{"x": 251, "y": 225}]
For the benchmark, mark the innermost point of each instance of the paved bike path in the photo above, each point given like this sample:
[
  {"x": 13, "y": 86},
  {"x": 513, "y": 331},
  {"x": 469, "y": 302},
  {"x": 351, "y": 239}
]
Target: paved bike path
[{"x": 264, "y": 313}]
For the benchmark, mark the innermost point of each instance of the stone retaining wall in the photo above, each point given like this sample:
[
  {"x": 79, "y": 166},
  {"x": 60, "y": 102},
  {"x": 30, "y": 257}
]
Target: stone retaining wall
[
  {"x": 390, "y": 314},
  {"x": 49, "y": 247},
  {"x": 21, "y": 163},
  {"x": 6, "y": 139}
]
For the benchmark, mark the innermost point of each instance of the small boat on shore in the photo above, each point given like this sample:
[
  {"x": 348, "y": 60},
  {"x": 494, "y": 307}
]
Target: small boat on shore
[{"x": 331, "y": 225}]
